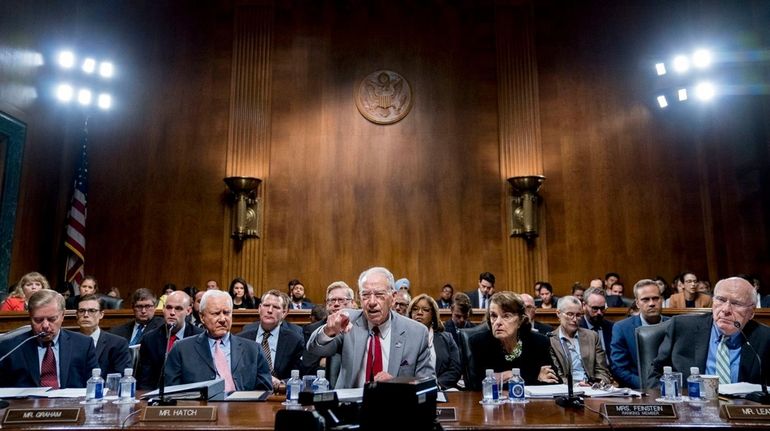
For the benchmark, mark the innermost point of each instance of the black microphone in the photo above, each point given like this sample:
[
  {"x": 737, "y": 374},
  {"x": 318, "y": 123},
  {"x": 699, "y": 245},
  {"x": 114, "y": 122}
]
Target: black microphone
[
  {"x": 161, "y": 400},
  {"x": 570, "y": 401},
  {"x": 761, "y": 397}
]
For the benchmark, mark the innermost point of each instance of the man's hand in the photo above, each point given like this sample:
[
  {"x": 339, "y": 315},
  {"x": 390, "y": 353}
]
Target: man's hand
[
  {"x": 382, "y": 376},
  {"x": 337, "y": 323}
]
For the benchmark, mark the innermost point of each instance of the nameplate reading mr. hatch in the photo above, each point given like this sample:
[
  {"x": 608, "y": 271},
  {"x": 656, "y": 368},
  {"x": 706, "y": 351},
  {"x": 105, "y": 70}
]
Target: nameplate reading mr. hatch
[
  {"x": 27, "y": 416},
  {"x": 180, "y": 413},
  {"x": 641, "y": 411},
  {"x": 748, "y": 412}
]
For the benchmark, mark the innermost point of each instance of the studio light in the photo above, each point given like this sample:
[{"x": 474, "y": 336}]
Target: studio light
[
  {"x": 84, "y": 97},
  {"x": 64, "y": 92},
  {"x": 705, "y": 91},
  {"x": 89, "y": 65},
  {"x": 106, "y": 69},
  {"x": 682, "y": 93},
  {"x": 104, "y": 101},
  {"x": 681, "y": 64},
  {"x": 662, "y": 102},
  {"x": 66, "y": 59},
  {"x": 701, "y": 58},
  {"x": 660, "y": 68}
]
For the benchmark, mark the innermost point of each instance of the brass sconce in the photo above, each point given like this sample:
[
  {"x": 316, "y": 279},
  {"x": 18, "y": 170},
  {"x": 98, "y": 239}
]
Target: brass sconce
[
  {"x": 524, "y": 205},
  {"x": 246, "y": 212}
]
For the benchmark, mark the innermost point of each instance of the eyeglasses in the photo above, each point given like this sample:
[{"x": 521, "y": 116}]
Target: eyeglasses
[
  {"x": 598, "y": 307},
  {"x": 422, "y": 309},
  {"x": 143, "y": 306},
  {"x": 379, "y": 295},
  {"x": 721, "y": 301},
  {"x": 88, "y": 310},
  {"x": 337, "y": 300},
  {"x": 571, "y": 315}
]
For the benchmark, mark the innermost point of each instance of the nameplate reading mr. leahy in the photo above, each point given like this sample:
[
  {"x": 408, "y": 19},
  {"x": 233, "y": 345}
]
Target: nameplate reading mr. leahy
[
  {"x": 640, "y": 411},
  {"x": 27, "y": 416},
  {"x": 180, "y": 413},
  {"x": 748, "y": 412}
]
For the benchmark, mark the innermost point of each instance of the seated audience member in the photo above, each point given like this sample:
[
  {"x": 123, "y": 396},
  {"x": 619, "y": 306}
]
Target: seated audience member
[
  {"x": 88, "y": 286},
  {"x": 338, "y": 297},
  {"x": 25, "y": 288},
  {"x": 754, "y": 282},
  {"x": 665, "y": 288},
  {"x": 297, "y": 296},
  {"x": 614, "y": 296},
  {"x": 445, "y": 299},
  {"x": 547, "y": 299},
  {"x": 158, "y": 342},
  {"x": 480, "y": 297},
  {"x": 281, "y": 347},
  {"x": 623, "y": 362},
  {"x": 689, "y": 297},
  {"x": 239, "y": 292},
  {"x": 509, "y": 343},
  {"x": 58, "y": 358},
  {"x": 530, "y": 309},
  {"x": 362, "y": 336},
  {"x": 403, "y": 284},
  {"x": 112, "y": 352},
  {"x": 461, "y": 313},
  {"x": 212, "y": 285},
  {"x": 713, "y": 342},
  {"x": 114, "y": 292},
  {"x": 168, "y": 288},
  {"x": 578, "y": 290},
  {"x": 609, "y": 279},
  {"x": 536, "y": 295},
  {"x": 594, "y": 306},
  {"x": 143, "y": 304},
  {"x": 401, "y": 302},
  {"x": 575, "y": 349},
  {"x": 195, "y": 317},
  {"x": 216, "y": 353},
  {"x": 317, "y": 313},
  {"x": 444, "y": 352}
]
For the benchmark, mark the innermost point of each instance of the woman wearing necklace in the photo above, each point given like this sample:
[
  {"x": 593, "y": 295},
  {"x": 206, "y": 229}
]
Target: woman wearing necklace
[{"x": 508, "y": 343}]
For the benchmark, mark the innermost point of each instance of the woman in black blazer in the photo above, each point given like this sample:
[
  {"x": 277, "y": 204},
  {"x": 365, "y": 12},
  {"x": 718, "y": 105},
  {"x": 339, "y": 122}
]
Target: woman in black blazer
[{"x": 444, "y": 351}]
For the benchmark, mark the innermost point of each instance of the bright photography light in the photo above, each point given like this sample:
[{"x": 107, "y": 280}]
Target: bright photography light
[
  {"x": 682, "y": 93},
  {"x": 660, "y": 68},
  {"x": 662, "y": 102},
  {"x": 89, "y": 65},
  {"x": 104, "y": 101},
  {"x": 64, "y": 92},
  {"x": 106, "y": 69},
  {"x": 84, "y": 97},
  {"x": 705, "y": 91},
  {"x": 66, "y": 59},
  {"x": 681, "y": 64},
  {"x": 701, "y": 58}
]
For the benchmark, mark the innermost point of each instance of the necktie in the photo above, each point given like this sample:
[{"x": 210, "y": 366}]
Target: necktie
[
  {"x": 374, "y": 358},
  {"x": 483, "y": 301},
  {"x": 171, "y": 341},
  {"x": 223, "y": 367},
  {"x": 723, "y": 362},
  {"x": 48, "y": 369},
  {"x": 138, "y": 337},
  {"x": 266, "y": 351}
]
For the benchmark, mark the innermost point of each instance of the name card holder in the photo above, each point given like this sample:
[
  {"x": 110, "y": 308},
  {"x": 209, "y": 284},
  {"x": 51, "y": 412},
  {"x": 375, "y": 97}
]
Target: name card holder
[
  {"x": 640, "y": 411},
  {"x": 446, "y": 414},
  {"x": 180, "y": 413},
  {"x": 49, "y": 415},
  {"x": 739, "y": 412}
]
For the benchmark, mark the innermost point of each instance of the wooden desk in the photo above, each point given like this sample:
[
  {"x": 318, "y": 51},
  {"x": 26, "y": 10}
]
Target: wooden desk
[{"x": 538, "y": 414}]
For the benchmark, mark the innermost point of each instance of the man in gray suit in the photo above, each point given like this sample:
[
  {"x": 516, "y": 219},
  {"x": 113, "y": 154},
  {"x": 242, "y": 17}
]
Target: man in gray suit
[
  {"x": 238, "y": 361},
  {"x": 376, "y": 343}
]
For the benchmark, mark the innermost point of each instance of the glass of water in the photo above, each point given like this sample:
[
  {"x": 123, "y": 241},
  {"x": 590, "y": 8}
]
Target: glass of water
[{"x": 112, "y": 384}]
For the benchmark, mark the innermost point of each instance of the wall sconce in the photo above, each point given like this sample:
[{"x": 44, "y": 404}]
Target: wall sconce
[
  {"x": 246, "y": 212},
  {"x": 524, "y": 205}
]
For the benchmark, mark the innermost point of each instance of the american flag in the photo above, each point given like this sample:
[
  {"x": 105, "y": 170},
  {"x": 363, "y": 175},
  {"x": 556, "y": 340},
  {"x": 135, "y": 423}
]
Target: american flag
[{"x": 75, "y": 238}]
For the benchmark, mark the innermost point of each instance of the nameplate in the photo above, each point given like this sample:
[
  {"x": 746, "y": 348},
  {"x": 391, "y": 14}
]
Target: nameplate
[
  {"x": 748, "y": 412},
  {"x": 448, "y": 414},
  {"x": 640, "y": 411},
  {"x": 27, "y": 416},
  {"x": 180, "y": 413}
]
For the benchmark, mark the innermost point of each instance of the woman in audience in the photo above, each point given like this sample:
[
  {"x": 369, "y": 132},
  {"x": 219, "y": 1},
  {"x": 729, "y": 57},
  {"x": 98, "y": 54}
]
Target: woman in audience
[
  {"x": 509, "y": 343},
  {"x": 240, "y": 294},
  {"x": 114, "y": 292},
  {"x": 29, "y": 284},
  {"x": 443, "y": 351}
]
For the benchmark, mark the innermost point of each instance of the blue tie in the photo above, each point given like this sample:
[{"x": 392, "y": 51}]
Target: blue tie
[{"x": 138, "y": 337}]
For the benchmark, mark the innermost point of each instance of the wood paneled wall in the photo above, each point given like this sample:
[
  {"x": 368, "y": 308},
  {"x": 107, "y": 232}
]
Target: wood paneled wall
[{"x": 629, "y": 188}]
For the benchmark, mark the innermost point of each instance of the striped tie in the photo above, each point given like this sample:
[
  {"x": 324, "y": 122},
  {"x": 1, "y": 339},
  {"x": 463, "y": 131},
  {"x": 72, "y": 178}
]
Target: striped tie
[
  {"x": 266, "y": 351},
  {"x": 723, "y": 362}
]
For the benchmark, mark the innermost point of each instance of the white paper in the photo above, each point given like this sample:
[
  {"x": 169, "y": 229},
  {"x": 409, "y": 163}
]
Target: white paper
[
  {"x": 23, "y": 392},
  {"x": 440, "y": 397},
  {"x": 245, "y": 396},
  {"x": 615, "y": 392},
  {"x": 739, "y": 388},
  {"x": 66, "y": 393},
  {"x": 353, "y": 394},
  {"x": 548, "y": 391}
]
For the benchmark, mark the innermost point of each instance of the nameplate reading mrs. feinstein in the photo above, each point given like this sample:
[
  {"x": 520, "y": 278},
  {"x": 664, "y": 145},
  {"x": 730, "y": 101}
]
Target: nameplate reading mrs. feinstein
[
  {"x": 180, "y": 413},
  {"x": 640, "y": 411},
  {"x": 748, "y": 412},
  {"x": 26, "y": 416}
]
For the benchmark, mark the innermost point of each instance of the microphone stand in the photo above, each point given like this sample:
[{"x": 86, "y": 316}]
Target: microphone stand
[
  {"x": 4, "y": 403},
  {"x": 162, "y": 400},
  {"x": 761, "y": 397},
  {"x": 570, "y": 401}
]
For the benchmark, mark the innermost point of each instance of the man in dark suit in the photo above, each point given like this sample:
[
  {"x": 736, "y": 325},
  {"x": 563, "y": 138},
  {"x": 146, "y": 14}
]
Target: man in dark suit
[
  {"x": 595, "y": 304},
  {"x": 297, "y": 296},
  {"x": 445, "y": 299},
  {"x": 714, "y": 342},
  {"x": 49, "y": 355},
  {"x": 281, "y": 346},
  {"x": 143, "y": 303},
  {"x": 461, "y": 312},
  {"x": 339, "y": 296},
  {"x": 480, "y": 297},
  {"x": 111, "y": 350},
  {"x": 88, "y": 286},
  {"x": 157, "y": 342},
  {"x": 216, "y": 353},
  {"x": 530, "y": 309}
]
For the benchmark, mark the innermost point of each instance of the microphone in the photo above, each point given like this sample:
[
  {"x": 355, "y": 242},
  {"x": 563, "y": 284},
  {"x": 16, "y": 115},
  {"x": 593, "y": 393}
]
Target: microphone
[
  {"x": 3, "y": 403},
  {"x": 761, "y": 397},
  {"x": 570, "y": 401},
  {"x": 161, "y": 400}
]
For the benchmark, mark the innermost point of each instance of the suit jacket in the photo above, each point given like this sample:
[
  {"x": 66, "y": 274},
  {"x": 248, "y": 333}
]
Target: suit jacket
[
  {"x": 687, "y": 345},
  {"x": 591, "y": 352},
  {"x": 448, "y": 368},
  {"x": 306, "y": 305},
  {"x": 190, "y": 361},
  {"x": 125, "y": 330},
  {"x": 619, "y": 301},
  {"x": 451, "y": 328},
  {"x": 541, "y": 328},
  {"x": 765, "y": 303},
  {"x": 606, "y": 334},
  {"x": 22, "y": 369},
  {"x": 443, "y": 304},
  {"x": 409, "y": 353},
  {"x": 474, "y": 296},
  {"x": 152, "y": 354},
  {"x": 112, "y": 354},
  {"x": 624, "y": 359},
  {"x": 311, "y": 362},
  {"x": 284, "y": 324},
  {"x": 288, "y": 352},
  {"x": 701, "y": 301},
  {"x": 488, "y": 353}
]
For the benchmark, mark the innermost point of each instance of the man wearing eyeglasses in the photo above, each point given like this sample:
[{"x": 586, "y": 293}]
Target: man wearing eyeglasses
[
  {"x": 158, "y": 342},
  {"x": 689, "y": 297},
  {"x": 376, "y": 343},
  {"x": 143, "y": 303},
  {"x": 714, "y": 342},
  {"x": 595, "y": 304},
  {"x": 111, "y": 350}
]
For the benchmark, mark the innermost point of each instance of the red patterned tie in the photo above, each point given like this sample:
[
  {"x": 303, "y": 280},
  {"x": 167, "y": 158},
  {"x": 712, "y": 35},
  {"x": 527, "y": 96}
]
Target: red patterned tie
[
  {"x": 48, "y": 369},
  {"x": 171, "y": 341},
  {"x": 374, "y": 358}
]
